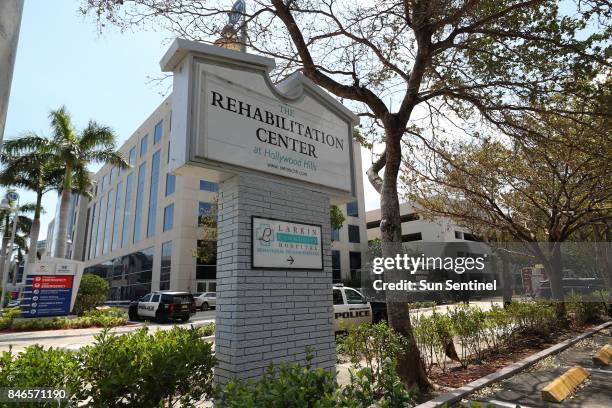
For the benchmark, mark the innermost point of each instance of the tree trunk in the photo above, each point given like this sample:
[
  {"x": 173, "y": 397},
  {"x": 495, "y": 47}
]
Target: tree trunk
[
  {"x": 62, "y": 223},
  {"x": 507, "y": 280},
  {"x": 34, "y": 231},
  {"x": 555, "y": 267},
  {"x": 5, "y": 241},
  {"x": 410, "y": 366}
]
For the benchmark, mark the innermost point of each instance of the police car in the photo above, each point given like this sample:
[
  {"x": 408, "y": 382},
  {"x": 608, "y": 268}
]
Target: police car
[
  {"x": 351, "y": 308},
  {"x": 163, "y": 306}
]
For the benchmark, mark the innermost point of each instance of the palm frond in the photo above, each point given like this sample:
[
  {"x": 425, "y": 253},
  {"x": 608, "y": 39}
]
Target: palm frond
[
  {"x": 109, "y": 156},
  {"x": 28, "y": 142},
  {"x": 61, "y": 122},
  {"x": 96, "y": 136}
]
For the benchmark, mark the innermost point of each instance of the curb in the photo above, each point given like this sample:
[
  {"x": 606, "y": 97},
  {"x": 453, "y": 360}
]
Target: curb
[{"x": 459, "y": 393}]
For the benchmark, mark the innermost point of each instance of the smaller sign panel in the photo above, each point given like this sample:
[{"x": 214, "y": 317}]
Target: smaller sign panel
[
  {"x": 280, "y": 244},
  {"x": 47, "y": 295}
]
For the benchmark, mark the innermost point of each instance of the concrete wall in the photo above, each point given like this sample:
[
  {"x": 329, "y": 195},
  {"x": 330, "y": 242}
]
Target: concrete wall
[
  {"x": 266, "y": 316},
  {"x": 10, "y": 21}
]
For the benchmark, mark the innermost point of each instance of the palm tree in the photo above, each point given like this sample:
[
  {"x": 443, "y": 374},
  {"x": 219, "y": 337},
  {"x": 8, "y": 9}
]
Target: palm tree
[
  {"x": 36, "y": 171},
  {"x": 73, "y": 151},
  {"x": 24, "y": 224}
]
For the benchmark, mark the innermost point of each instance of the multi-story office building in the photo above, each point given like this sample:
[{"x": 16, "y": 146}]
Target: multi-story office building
[
  {"x": 142, "y": 228},
  {"x": 415, "y": 228}
]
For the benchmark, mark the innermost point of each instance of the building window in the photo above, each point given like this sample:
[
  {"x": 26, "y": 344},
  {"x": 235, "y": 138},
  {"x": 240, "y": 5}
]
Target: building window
[
  {"x": 129, "y": 276},
  {"x": 353, "y": 232},
  {"x": 113, "y": 174},
  {"x": 157, "y": 134},
  {"x": 204, "y": 209},
  {"x": 139, "y": 193},
  {"x": 470, "y": 237},
  {"x": 168, "y": 217},
  {"x": 92, "y": 233},
  {"x": 116, "y": 218},
  {"x": 144, "y": 144},
  {"x": 166, "y": 266},
  {"x": 152, "y": 217},
  {"x": 206, "y": 260},
  {"x": 132, "y": 156},
  {"x": 101, "y": 211},
  {"x": 127, "y": 211},
  {"x": 335, "y": 235},
  {"x": 336, "y": 268},
  {"x": 170, "y": 183},
  {"x": 209, "y": 186},
  {"x": 355, "y": 265},
  {"x": 352, "y": 209},
  {"x": 412, "y": 237},
  {"x": 107, "y": 223}
]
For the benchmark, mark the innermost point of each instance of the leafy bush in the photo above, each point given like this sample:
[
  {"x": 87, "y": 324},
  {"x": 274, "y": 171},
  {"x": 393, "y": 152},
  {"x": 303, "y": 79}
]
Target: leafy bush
[
  {"x": 292, "y": 386},
  {"x": 169, "y": 367},
  {"x": 372, "y": 344},
  {"x": 286, "y": 386},
  {"x": 93, "y": 318},
  {"x": 92, "y": 293},
  {"x": 38, "y": 367},
  {"x": 207, "y": 329},
  {"x": 433, "y": 333},
  {"x": 587, "y": 308},
  {"x": 468, "y": 326},
  {"x": 6, "y": 320}
]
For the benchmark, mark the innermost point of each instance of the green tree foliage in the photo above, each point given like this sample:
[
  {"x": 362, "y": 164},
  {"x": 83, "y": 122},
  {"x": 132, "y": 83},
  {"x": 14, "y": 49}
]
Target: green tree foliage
[
  {"x": 93, "y": 291},
  {"x": 73, "y": 151},
  {"x": 540, "y": 187},
  {"x": 336, "y": 217},
  {"x": 35, "y": 170}
]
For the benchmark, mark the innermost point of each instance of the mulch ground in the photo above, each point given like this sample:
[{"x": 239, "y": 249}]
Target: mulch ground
[{"x": 456, "y": 376}]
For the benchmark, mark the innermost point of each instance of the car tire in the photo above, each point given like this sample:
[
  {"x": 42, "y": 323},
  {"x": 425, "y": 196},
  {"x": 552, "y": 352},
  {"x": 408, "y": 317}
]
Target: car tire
[
  {"x": 133, "y": 315},
  {"x": 205, "y": 306}
]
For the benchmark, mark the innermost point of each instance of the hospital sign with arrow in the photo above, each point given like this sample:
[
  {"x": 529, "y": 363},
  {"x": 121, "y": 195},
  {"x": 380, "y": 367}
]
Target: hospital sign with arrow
[{"x": 282, "y": 244}]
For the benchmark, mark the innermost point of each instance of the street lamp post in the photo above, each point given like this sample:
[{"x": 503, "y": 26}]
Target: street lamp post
[{"x": 7, "y": 256}]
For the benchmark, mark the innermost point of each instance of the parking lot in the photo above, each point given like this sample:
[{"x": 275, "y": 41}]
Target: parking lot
[{"x": 524, "y": 389}]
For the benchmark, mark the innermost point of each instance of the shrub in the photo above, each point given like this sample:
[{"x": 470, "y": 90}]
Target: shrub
[
  {"x": 433, "y": 333},
  {"x": 6, "y": 320},
  {"x": 92, "y": 293},
  {"x": 38, "y": 367},
  {"x": 207, "y": 329},
  {"x": 372, "y": 344},
  {"x": 468, "y": 325},
  {"x": 93, "y": 318},
  {"x": 586, "y": 308},
  {"x": 139, "y": 369},
  {"x": 286, "y": 386},
  {"x": 292, "y": 386}
]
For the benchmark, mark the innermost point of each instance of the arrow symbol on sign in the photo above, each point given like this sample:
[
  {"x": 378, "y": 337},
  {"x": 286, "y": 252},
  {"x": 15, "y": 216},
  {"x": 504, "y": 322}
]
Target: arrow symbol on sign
[{"x": 291, "y": 260}]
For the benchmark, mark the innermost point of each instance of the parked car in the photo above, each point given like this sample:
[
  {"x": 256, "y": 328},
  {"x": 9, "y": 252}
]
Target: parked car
[
  {"x": 583, "y": 286},
  {"x": 206, "y": 300},
  {"x": 163, "y": 306},
  {"x": 351, "y": 308}
]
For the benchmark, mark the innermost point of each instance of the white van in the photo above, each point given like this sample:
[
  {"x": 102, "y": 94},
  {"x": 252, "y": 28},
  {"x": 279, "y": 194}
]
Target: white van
[{"x": 351, "y": 308}]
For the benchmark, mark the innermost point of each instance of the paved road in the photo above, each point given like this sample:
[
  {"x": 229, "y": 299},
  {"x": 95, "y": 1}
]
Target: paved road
[
  {"x": 524, "y": 388},
  {"x": 75, "y": 338}
]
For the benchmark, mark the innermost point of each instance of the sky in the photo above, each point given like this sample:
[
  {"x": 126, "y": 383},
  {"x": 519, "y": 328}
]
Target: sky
[{"x": 62, "y": 59}]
